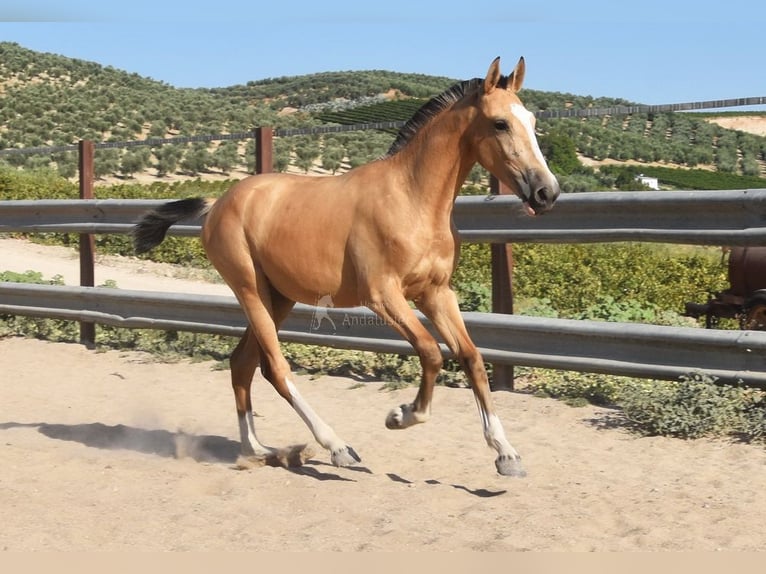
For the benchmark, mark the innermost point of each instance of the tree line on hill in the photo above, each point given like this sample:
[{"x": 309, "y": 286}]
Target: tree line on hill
[{"x": 50, "y": 100}]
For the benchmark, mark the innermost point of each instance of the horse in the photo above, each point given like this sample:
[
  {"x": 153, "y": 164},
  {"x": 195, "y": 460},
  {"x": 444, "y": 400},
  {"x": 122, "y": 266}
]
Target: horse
[{"x": 380, "y": 235}]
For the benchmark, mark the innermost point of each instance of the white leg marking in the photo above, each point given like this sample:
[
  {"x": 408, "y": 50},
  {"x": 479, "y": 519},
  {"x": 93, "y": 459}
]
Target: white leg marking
[
  {"x": 342, "y": 454},
  {"x": 321, "y": 430},
  {"x": 508, "y": 461},
  {"x": 495, "y": 435},
  {"x": 248, "y": 439}
]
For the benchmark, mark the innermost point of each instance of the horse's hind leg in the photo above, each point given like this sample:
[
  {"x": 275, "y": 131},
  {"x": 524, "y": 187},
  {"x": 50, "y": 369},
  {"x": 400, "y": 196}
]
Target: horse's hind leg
[
  {"x": 263, "y": 309},
  {"x": 243, "y": 362}
]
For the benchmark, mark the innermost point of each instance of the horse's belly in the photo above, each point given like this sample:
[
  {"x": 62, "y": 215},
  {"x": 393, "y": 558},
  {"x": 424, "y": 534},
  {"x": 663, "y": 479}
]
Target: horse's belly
[{"x": 310, "y": 279}]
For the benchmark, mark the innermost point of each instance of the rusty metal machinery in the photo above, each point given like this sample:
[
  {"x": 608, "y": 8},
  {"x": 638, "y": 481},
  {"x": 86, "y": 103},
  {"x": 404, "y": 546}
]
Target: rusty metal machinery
[{"x": 745, "y": 299}]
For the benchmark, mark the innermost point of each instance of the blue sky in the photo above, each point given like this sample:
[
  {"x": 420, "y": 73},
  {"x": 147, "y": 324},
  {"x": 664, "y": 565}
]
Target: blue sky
[{"x": 651, "y": 52}]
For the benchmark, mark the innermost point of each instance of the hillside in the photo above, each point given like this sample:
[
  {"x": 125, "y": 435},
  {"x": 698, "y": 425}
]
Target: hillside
[{"x": 51, "y": 100}]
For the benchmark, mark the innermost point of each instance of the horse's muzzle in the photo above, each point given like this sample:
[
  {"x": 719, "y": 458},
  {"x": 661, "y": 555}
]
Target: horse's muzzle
[{"x": 543, "y": 198}]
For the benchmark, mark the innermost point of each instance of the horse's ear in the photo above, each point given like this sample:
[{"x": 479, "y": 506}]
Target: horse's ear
[
  {"x": 517, "y": 77},
  {"x": 493, "y": 76}
]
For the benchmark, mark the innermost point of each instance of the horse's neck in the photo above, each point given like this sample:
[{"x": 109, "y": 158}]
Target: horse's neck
[{"x": 436, "y": 164}]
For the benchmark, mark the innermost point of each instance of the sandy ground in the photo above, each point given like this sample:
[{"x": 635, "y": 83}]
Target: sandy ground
[
  {"x": 750, "y": 124},
  {"x": 114, "y": 451},
  {"x": 127, "y": 272}
]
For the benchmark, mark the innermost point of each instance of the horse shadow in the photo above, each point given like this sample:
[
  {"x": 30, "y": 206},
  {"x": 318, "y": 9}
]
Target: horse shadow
[
  {"x": 201, "y": 448},
  {"x": 478, "y": 492}
]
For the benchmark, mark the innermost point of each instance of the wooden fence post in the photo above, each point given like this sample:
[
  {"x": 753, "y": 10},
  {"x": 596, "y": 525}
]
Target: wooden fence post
[
  {"x": 264, "y": 147},
  {"x": 87, "y": 242},
  {"x": 502, "y": 292}
]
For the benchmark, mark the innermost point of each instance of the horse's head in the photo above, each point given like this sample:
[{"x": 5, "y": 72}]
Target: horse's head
[{"x": 506, "y": 144}]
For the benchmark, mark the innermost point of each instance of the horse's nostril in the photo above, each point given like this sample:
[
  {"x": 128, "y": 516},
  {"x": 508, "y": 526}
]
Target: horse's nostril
[
  {"x": 542, "y": 196},
  {"x": 545, "y": 196}
]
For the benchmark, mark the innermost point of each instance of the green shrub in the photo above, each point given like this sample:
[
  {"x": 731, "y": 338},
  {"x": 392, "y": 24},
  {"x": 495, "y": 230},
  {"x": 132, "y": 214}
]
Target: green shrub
[
  {"x": 472, "y": 279},
  {"x": 632, "y": 278},
  {"x": 754, "y": 418},
  {"x": 606, "y": 308},
  {"x": 693, "y": 407},
  {"x": 40, "y": 328},
  {"x": 34, "y": 184},
  {"x": 536, "y": 307},
  {"x": 475, "y": 296},
  {"x": 33, "y": 277}
]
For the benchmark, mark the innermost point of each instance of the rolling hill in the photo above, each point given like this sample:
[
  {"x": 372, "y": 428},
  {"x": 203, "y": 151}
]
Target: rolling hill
[{"x": 51, "y": 100}]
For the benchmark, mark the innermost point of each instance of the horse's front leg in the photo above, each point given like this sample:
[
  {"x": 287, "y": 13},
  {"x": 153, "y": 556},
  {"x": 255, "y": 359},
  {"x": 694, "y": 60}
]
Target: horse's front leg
[
  {"x": 396, "y": 312},
  {"x": 441, "y": 307}
]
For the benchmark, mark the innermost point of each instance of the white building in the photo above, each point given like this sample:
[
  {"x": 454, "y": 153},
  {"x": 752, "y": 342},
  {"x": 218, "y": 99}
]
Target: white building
[{"x": 650, "y": 182}]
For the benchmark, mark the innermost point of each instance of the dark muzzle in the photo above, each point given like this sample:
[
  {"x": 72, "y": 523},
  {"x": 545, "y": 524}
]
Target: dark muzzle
[{"x": 543, "y": 198}]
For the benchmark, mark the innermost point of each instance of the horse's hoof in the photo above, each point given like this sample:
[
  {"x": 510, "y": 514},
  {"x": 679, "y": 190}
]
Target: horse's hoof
[
  {"x": 510, "y": 466},
  {"x": 404, "y": 416},
  {"x": 395, "y": 419},
  {"x": 345, "y": 457}
]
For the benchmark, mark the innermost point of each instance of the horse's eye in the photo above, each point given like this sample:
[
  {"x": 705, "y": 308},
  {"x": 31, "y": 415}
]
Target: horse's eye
[{"x": 501, "y": 125}]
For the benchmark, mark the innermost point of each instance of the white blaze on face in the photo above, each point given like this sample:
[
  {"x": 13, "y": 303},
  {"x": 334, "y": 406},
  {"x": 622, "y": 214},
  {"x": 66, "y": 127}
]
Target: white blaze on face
[{"x": 525, "y": 117}]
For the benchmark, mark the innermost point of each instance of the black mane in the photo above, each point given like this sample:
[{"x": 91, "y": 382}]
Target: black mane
[{"x": 433, "y": 107}]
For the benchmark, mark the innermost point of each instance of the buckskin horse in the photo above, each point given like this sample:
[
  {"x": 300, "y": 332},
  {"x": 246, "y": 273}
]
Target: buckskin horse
[{"x": 379, "y": 235}]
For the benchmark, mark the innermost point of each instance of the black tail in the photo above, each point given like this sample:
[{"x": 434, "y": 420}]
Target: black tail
[{"x": 152, "y": 227}]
